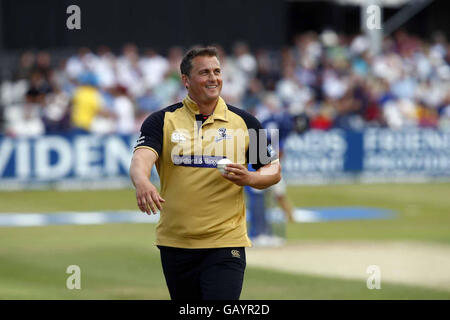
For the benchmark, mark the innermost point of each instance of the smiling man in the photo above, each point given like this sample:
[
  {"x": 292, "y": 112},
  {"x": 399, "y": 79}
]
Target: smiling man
[{"x": 202, "y": 231}]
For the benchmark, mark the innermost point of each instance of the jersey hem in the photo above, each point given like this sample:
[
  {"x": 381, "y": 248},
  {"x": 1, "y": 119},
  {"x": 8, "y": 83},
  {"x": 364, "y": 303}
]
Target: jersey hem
[{"x": 199, "y": 244}]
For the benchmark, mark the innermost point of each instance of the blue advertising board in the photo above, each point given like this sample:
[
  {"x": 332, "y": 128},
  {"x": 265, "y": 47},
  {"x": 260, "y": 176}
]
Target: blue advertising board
[
  {"x": 313, "y": 157},
  {"x": 37, "y": 161},
  {"x": 369, "y": 155}
]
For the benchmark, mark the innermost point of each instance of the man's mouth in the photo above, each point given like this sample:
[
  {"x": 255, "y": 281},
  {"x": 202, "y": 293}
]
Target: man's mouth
[{"x": 211, "y": 87}]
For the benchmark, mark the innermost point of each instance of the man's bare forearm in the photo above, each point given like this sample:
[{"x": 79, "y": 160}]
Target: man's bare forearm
[
  {"x": 141, "y": 166},
  {"x": 139, "y": 172},
  {"x": 147, "y": 196},
  {"x": 266, "y": 176}
]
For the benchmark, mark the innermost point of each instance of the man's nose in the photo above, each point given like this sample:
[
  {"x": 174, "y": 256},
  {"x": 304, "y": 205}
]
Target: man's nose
[{"x": 212, "y": 77}]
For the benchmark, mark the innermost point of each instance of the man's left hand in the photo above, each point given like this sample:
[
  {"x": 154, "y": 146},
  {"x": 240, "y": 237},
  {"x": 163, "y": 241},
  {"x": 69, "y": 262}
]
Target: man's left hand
[{"x": 238, "y": 174}]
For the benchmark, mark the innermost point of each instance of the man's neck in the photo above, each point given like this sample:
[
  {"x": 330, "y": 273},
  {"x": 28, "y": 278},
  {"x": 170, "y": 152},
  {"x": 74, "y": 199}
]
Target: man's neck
[{"x": 206, "y": 108}]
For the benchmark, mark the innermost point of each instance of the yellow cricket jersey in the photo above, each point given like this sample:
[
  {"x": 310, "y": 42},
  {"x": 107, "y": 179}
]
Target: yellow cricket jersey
[
  {"x": 202, "y": 209},
  {"x": 86, "y": 104}
]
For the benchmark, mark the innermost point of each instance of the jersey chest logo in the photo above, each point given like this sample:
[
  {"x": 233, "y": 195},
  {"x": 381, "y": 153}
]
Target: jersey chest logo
[
  {"x": 222, "y": 135},
  {"x": 178, "y": 137}
]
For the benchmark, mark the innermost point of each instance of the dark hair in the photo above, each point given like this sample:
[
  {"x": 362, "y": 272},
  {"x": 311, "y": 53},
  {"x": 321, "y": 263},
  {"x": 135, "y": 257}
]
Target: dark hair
[{"x": 186, "y": 63}]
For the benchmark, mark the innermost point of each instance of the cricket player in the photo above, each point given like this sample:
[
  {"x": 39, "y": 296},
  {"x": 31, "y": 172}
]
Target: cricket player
[{"x": 202, "y": 231}]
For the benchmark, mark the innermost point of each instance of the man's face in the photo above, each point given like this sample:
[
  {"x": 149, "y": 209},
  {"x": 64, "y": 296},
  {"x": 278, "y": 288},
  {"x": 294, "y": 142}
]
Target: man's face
[{"x": 205, "y": 80}]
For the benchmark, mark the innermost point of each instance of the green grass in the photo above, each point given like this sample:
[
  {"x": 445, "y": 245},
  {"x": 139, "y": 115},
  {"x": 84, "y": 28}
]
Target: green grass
[
  {"x": 423, "y": 212},
  {"x": 116, "y": 261},
  {"x": 49, "y": 201},
  {"x": 275, "y": 285},
  {"x": 119, "y": 261}
]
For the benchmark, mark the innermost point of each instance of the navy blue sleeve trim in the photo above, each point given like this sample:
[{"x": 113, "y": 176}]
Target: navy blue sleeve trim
[
  {"x": 152, "y": 129},
  {"x": 260, "y": 151}
]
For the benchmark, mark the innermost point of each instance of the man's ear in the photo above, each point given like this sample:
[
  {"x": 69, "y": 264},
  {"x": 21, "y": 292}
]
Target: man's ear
[{"x": 185, "y": 80}]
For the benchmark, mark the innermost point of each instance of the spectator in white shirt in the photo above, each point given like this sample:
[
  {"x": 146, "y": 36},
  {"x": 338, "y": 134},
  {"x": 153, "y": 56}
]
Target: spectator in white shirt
[{"x": 124, "y": 110}]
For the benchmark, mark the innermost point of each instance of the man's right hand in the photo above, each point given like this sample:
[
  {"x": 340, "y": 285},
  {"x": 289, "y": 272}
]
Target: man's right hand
[{"x": 148, "y": 198}]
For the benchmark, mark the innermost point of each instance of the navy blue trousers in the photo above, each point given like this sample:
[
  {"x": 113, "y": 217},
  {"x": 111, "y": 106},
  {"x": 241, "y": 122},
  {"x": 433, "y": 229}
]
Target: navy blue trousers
[
  {"x": 257, "y": 205},
  {"x": 203, "y": 274}
]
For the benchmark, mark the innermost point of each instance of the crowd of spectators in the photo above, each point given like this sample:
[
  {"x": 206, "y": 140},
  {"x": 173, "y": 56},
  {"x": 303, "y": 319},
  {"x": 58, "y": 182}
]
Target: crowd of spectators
[{"x": 323, "y": 81}]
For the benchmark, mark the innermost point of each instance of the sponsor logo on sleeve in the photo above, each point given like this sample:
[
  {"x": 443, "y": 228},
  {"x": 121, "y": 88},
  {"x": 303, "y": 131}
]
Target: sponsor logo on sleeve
[
  {"x": 271, "y": 151},
  {"x": 140, "y": 141}
]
